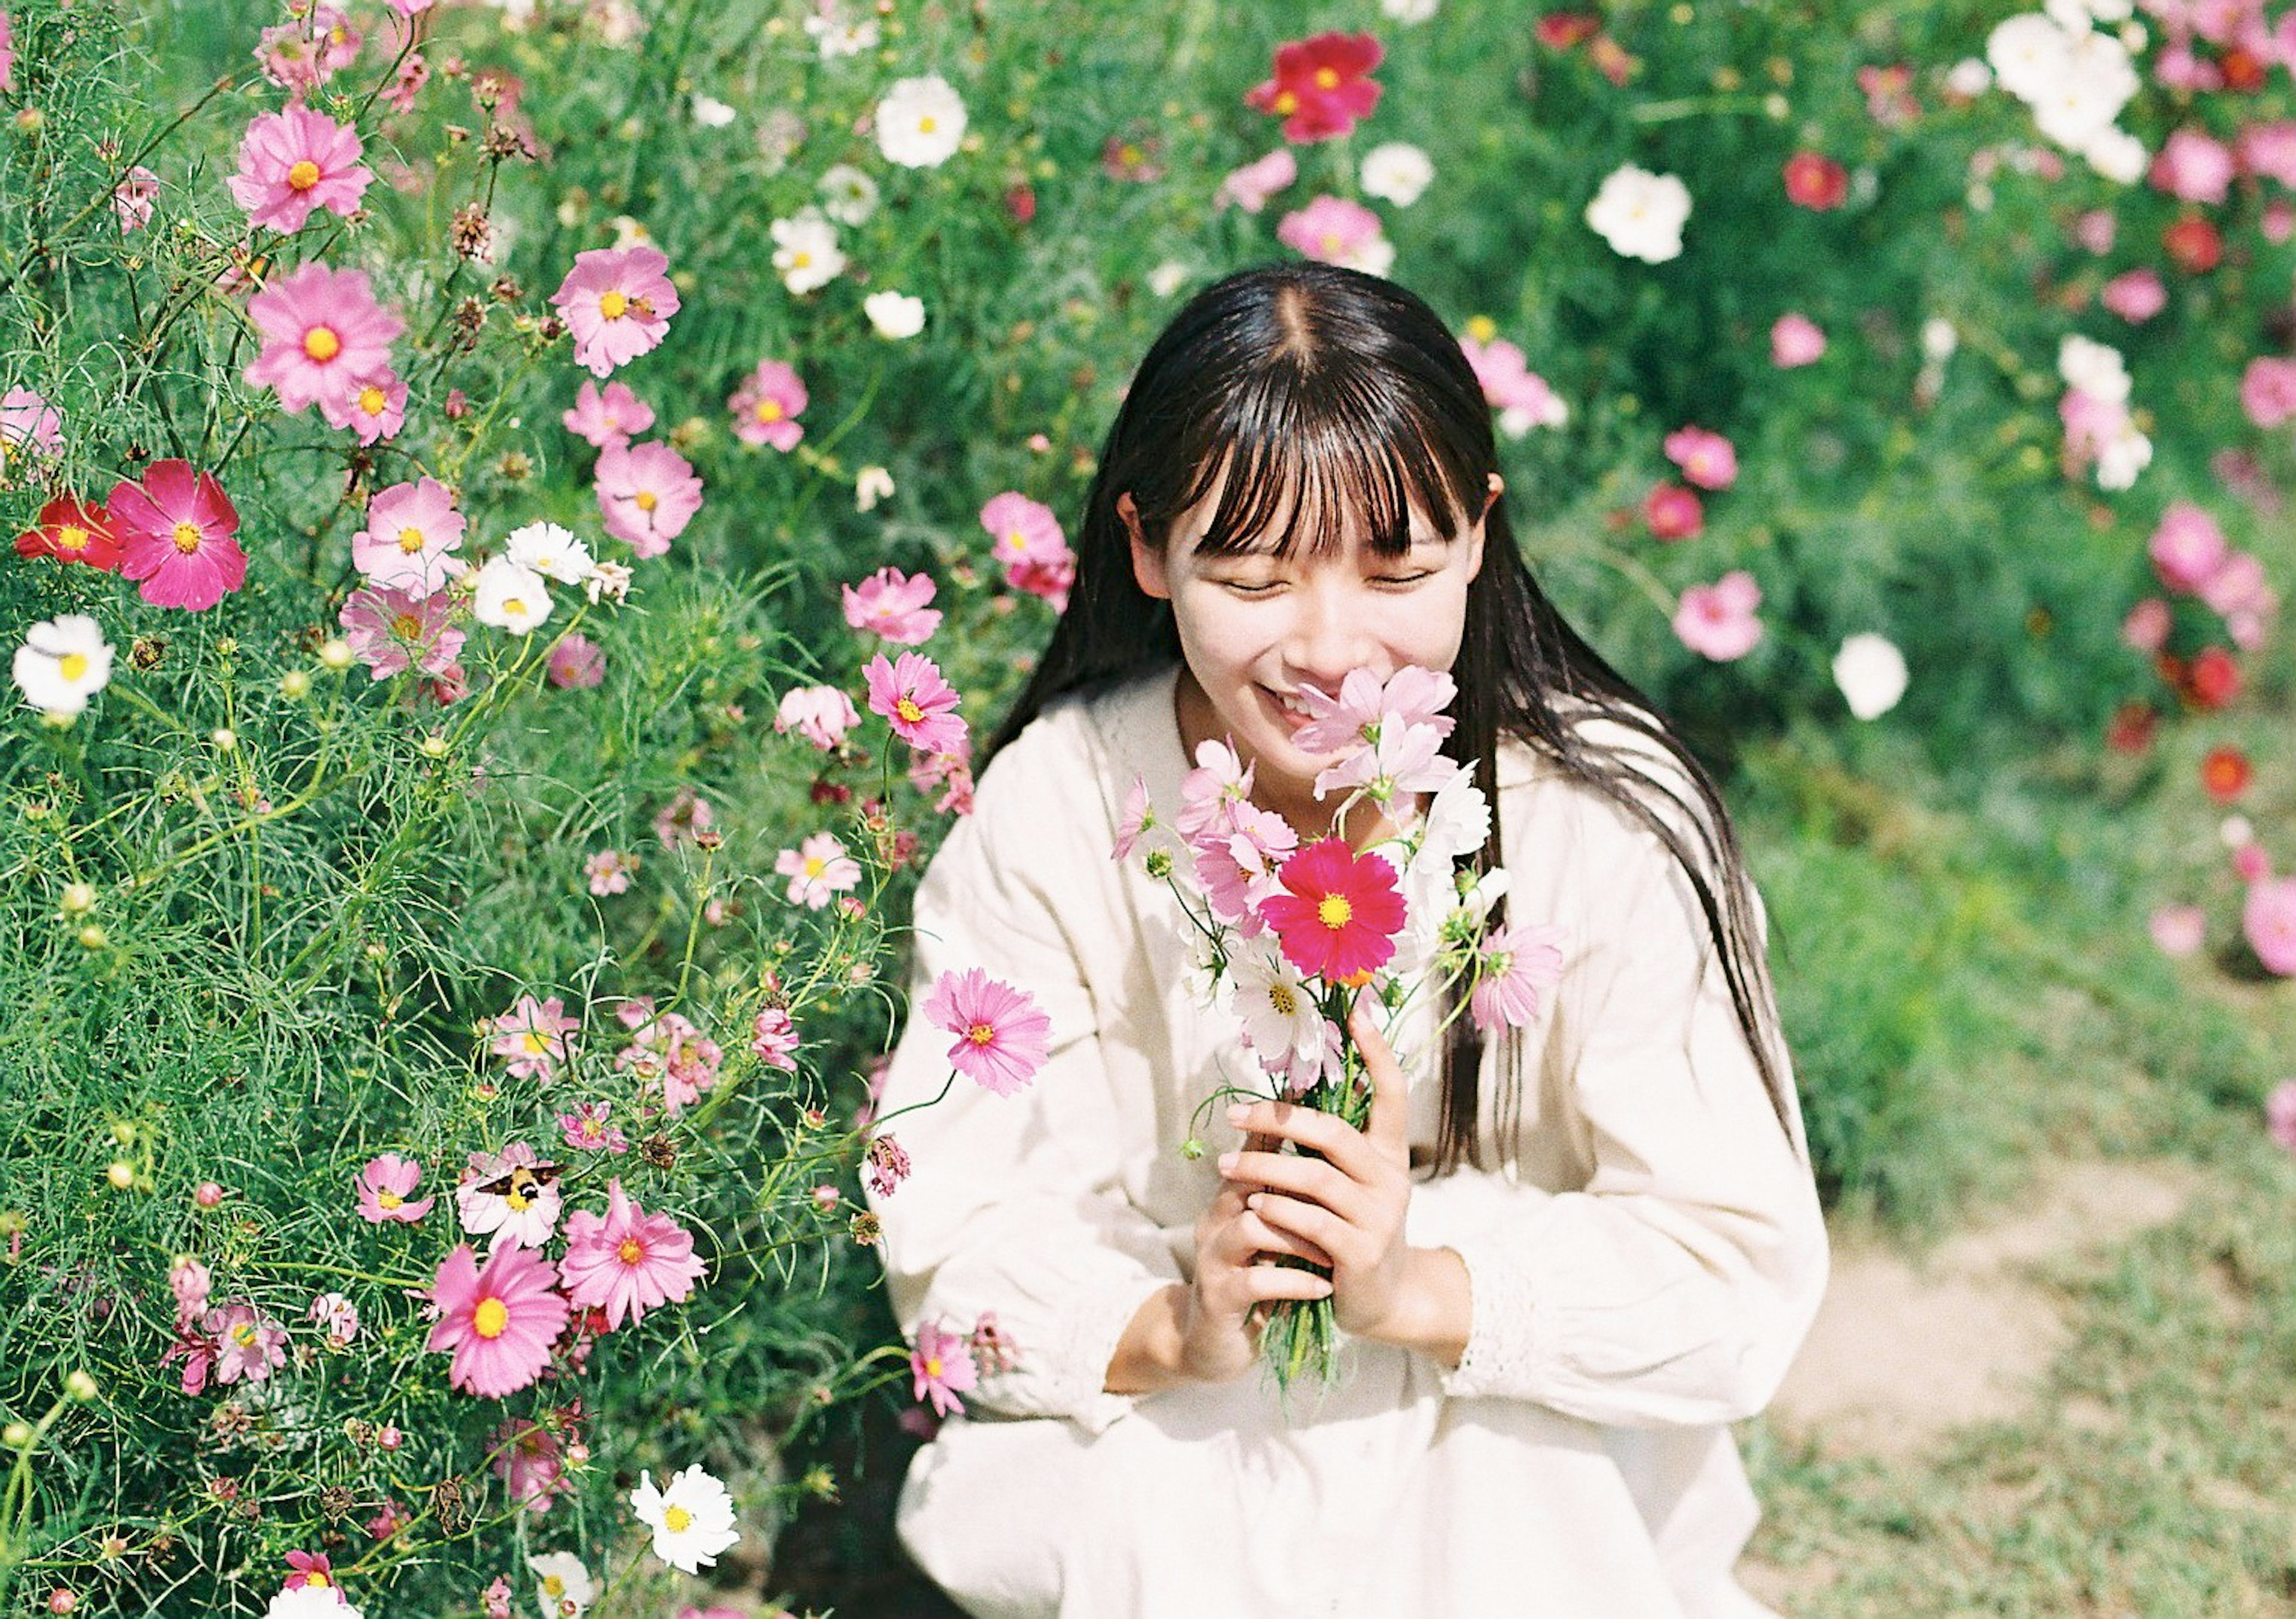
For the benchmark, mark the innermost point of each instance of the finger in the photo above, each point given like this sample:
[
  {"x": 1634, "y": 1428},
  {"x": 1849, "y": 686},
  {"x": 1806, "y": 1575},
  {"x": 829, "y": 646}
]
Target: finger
[
  {"x": 1308, "y": 1223},
  {"x": 1309, "y": 1178},
  {"x": 1328, "y": 1135},
  {"x": 1267, "y": 1238},
  {"x": 1390, "y": 1098},
  {"x": 1262, "y": 1282}
]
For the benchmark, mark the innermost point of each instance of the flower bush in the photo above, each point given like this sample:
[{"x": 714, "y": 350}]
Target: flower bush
[{"x": 473, "y": 816}]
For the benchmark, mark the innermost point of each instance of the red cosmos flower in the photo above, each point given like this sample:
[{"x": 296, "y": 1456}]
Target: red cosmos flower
[
  {"x": 2212, "y": 680},
  {"x": 70, "y": 530},
  {"x": 2243, "y": 71},
  {"x": 1562, "y": 30},
  {"x": 2132, "y": 728},
  {"x": 1339, "y": 914},
  {"x": 1673, "y": 512},
  {"x": 1322, "y": 85},
  {"x": 2226, "y": 773},
  {"x": 1815, "y": 180},
  {"x": 2195, "y": 244}
]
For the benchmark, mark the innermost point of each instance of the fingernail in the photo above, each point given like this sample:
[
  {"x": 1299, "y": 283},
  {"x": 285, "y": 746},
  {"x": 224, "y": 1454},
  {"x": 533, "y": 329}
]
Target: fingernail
[
  {"x": 1228, "y": 1161},
  {"x": 1237, "y": 1114}
]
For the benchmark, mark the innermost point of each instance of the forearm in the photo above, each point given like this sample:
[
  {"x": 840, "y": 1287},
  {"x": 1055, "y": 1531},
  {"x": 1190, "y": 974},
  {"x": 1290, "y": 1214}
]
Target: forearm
[
  {"x": 1148, "y": 1356},
  {"x": 1439, "y": 1310}
]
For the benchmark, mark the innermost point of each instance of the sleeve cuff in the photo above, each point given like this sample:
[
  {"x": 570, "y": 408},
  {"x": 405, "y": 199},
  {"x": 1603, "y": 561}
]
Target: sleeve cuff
[{"x": 1068, "y": 1378}]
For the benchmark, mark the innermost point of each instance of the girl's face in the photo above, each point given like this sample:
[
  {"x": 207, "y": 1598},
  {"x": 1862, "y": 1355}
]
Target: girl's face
[{"x": 1255, "y": 629}]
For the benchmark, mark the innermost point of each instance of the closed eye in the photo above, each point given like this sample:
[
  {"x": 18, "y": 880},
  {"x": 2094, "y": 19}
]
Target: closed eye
[{"x": 1404, "y": 579}]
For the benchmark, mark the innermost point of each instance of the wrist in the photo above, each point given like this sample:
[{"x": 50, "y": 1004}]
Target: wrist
[
  {"x": 1152, "y": 1355},
  {"x": 1436, "y": 1311}
]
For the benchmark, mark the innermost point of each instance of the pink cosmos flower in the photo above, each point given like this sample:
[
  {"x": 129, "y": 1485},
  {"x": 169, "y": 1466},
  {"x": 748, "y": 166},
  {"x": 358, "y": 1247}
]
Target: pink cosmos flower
[
  {"x": 1249, "y": 187},
  {"x": 532, "y": 1034},
  {"x": 678, "y": 821},
  {"x": 2187, "y": 547},
  {"x": 1718, "y": 620},
  {"x": 293, "y": 161},
  {"x": 2267, "y": 390},
  {"x": 412, "y": 530},
  {"x": 530, "y": 1461},
  {"x": 1520, "y": 394},
  {"x": 1002, "y": 1036},
  {"x": 311, "y": 1569},
  {"x": 2147, "y": 627},
  {"x": 942, "y": 1365},
  {"x": 2269, "y": 150},
  {"x": 322, "y": 334},
  {"x": 912, "y": 698},
  {"x": 338, "y": 1316},
  {"x": 248, "y": 1344},
  {"x": 669, "y": 1051},
  {"x": 414, "y": 73},
  {"x": 27, "y": 419},
  {"x": 2280, "y": 1114},
  {"x": 2136, "y": 295},
  {"x": 512, "y": 1193},
  {"x": 893, "y": 605},
  {"x": 589, "y": 1128},
  {"x": 386, "y": 1186},
  {"x": 617, "y": 303},
  {"x": 390, "y": 632},
  {"x": 609, "y": 872},
  {"x": 1333, "y": 231},
  {"x": 132, "y": 198},
  {"x": 648, "y": 492},
  {"x": 2236, "y": 586},
  {"x": 774, "y": 1039},
  {"x": 766, "y": 406},
  {"x": 1023, "y": 529},
  {"x": 1404, "y": 759},
  {"x": 7, "y": 54},
  {"x": 306, "y": 52},
  {"x": 576, "y": 663},
  {"x": 818, "y": 869},
  {"x": 610, "y": 418},
  {"x": 197, "y": 1350},
  {"x": 1239, "y": 859},
  {"x": 374, "y": 407},
  {"x": 821, "y": 714},
  {"x": 1673, "y": 512},
  {"x": 499, "y": 1321},
  {"x": 630, "y": 1261},
  {"x": 2096, "y": 229},
  {"x": 1706, "y": 459},
  {"x": 1520, "y": 964},
  {"x": 2179, "y": 930},
  {"x": 1795, "y": 340},
  {"x": 175, "y": 530},
  {"x": 188, "y": 1280},
  {"x": 2192, "y": 165},
  {"x": 2268, "y": 918}
]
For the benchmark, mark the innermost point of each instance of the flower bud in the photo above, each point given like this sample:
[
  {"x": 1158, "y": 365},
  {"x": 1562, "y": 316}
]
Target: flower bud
[
  {"x": 80, "y": 1387},
  {"x": 225, "y": 738},
  {"x": 78, "y": 898},
  {"x": 434, "y": 746},
  {"x": 206, "y": 1194},
  {"x": 121, "y": 1174},
  {"x": 335, "y": 653},
  {"x": 16, "y": 1435},
  {"x": 92, "y": 937},
  {"x": 296, "y": 684}
]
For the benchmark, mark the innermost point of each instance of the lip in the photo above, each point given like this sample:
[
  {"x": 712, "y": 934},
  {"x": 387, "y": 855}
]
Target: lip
[{"x": 1291, "y": 719}]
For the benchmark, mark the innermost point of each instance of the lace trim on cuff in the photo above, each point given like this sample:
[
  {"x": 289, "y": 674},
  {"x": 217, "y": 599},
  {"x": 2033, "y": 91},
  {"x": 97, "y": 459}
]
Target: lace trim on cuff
[{"x": 1502, "y": 1351}]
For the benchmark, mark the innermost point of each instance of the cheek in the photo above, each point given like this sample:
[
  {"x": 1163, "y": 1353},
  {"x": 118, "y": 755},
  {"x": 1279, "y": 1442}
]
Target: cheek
[{"x": 1430, "y": 632}]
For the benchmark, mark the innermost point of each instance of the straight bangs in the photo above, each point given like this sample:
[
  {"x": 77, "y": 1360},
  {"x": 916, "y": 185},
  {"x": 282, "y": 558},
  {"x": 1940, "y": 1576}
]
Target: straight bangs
[{"x": 1299, "y": 456}]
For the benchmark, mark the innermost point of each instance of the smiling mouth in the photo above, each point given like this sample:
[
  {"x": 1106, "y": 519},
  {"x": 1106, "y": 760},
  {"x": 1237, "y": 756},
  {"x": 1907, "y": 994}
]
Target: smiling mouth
[{"x": 1292, "y": 712}]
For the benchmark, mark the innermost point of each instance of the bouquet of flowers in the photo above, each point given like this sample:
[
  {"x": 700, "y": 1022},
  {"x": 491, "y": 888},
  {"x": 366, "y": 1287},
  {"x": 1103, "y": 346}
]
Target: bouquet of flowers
[{"x": 1290, "y": 933}]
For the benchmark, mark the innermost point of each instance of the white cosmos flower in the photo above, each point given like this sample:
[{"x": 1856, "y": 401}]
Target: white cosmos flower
[
  {"x": 848, "y": 195},
  {"x": 710, "y": 113},
  {"x": 1407, "y": 11},
  {"x": 692, "y": 1520},
  {"x": 2127, "y": 452},
  {"x": 509, "y": 597},
  {"x": 2030, "y": 54},
  {"x": 62, "y": 663},
  {"x": 2116, "y": 154},
  {"x": 1871, "y": 672},
  {"x": 311, "y": 1602},
  {"x": 1281, "y": 1022},
  {"x": 609, "y": 581},
  {"x": 837, "y": 38},
  {"x": 1640, "y": 214},
  {"x": 806, "y": 251},
  {"x": 920, "y": 122},
  {"x": 551, "y": 551},
  {"x": 561, "y": 1579},
  {"x": 895, "y": 315},
  {"x": 1168, "y": 278},
  {"x": 1939, "y": 340},
  {"x": 1397, "y": 171},
  {"x": 2095, "y": 368},
  {"x": 870, "y": 485},
  {"x": 1969, "y": 77}
]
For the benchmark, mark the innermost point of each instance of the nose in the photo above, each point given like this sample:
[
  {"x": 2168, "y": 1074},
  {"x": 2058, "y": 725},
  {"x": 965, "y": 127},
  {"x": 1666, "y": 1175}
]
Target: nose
[{"x": 1332, "y": 631}]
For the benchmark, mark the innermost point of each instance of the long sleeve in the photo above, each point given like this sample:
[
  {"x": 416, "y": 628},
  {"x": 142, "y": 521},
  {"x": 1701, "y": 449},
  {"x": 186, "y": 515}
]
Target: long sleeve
[
  {"x": 1675, "y": 1285},
  {"x": 1015, "y": 1204}
]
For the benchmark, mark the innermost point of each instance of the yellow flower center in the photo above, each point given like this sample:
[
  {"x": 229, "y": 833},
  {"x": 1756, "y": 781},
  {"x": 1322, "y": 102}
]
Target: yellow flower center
[
  {"x": 491, "y": 1319},
  {"x": 646, "y": 501},
  {"x": 1327, "y": 79},
  {"x": 927, "y": 125},
  {"x": 1482, "y": 328},
  {"x": 814, "y": 866},
  {"x": 518, "y": 1200},
  {"x": 769, "y": 409},
  {"x": 1330, "y": 242},
  {"x": 1280, "y": 997},
  {"x": 388, "y": 1199},
  {"x": 406, "y": 626},
  {"x": 631, "y": 1252},
  {"x": 1286, "y": 102},
  {"x": 981, "y": 1033},
  {"x": 244, "y": 1334},
  {"x": 317, "y": 1577},
  {"x": 321, "y": 344},
  {"x": 932, "y": 1366},
  {"x": 535, "y": 1042},
  {"x": 304, "y": 175},
  {"x": 677, "y": 1520},
  {"x": 372, "y": 399},
  {"x": 187, "y": 537},
  {"x": 1016, "y": 539},
  {"x": 553, "y": 1585},
  {"x": 906, "y": 707},
  {"x": 410, "y": 539},
  {"x": 1129, "y": 154},
  {"x": 74, "y": 665},
  {"x": 1333, "y": 912},
  {"x": 514, "y": 607},
  {"x": 613, "y": 305},
  {"x": 799, "y": 259},
  {"x": 72, "y": 536}
]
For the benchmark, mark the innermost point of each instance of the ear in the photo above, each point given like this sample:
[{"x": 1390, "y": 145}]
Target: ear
[
  {"x": 1475, "y": 535},
  {"x": 1147, "y": 560}
]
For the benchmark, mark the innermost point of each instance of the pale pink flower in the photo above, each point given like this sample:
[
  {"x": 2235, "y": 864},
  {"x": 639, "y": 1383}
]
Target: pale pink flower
[
  {"x": 27, "y": 419},
  {"x": 2195, "y": 167},
  {"x": 648, "y": 492},
  {"x": 590, "y": 1128},
  {"x": 321, "y": 333},
  {"x": 390, "y": 632},
  {"x": 1404, "y": 759},
  {"x": 2096, "y": 229},
  {"x": 1023, "y": 529},
  {"x": 617, "y": 303},
  {"x": 1518, "y": 966},
  {"x": 304, "y": 53},
  {"x": 176, "y": 533},
  {"x": 2236, "y": 586},
  {"x": 499, "y": 1321},
  {"x": 766, "y": 406},
  {"x": 338, "y": 1316},
  {"x": 1249, "y": 187},
  {"x": 411, "y": 531},
  {"x": 680, "y": 819},
  {"x": 2267, "y": 390},
  {"x": 911, "y": 696},
  {"x": 1138, "y": 817},
  {"x": 2270, "y": 150},
  {"x": 818, "y": 869},
  {"x": 1708, "y": 460},
  {"x": 1520, "y": 394},
  {"x": 1002, "y": 1035},
  {"x": 188, "y": 1280},
  {"x": 609, "y": 872},
  {"x": 2268, "y": 918},
  {"x": 774, "y": 1039},
  {"x": 630, "y": 1261},
  {"x": 532, "y": 1034},
  {"x": 1718, "y": 620},
  {"x": 513, "y": 1194},
  {"x": 1219, "y": 781},
  {"x": 2136, "y": 295},
  {"x": 2187, "y": 547},
  {"x": 2147, "y": 627},
  {"x": 1364, "y": 705},
  {"x": 893, "y": 606},
  {"x": 247, "y": 1344},
  {"x": 1334, "y": 231},
  {"x": 2179, "y": 930},
  {"x": 889, "y": 1166},
  {"x": 414, "y": 73},
  {"x": 293, "y": 161},
  {"x": 386, "y": 1185},
  {"x": 2280, "y": 1114},
  {"x": 821, "y": 714},
  {"x": 576, "y": 663},
  {"x": 1795, "y": 340},
  {"x": 374, "y": 408},
  {"x": 1239, "y": 858},
  {"x": 669, "y": 1050},
  {"x": 530, "y": 1461},
  {"x": 943, "y": 1368},
  {"x": 609, "y": 417},
  {"x": 132, "y": 198}
]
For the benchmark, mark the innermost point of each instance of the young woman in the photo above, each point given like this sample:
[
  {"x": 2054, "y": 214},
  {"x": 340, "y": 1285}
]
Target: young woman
[{"x": 1566, "y": 1259}]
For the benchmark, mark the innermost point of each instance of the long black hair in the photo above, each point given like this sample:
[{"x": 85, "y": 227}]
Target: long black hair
[{"x": 1307, "y": 393}]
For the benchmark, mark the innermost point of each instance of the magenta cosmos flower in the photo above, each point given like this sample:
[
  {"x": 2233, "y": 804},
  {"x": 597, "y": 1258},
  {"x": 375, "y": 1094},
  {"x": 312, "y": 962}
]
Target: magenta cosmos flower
[
  {"x": 1718, "y": 620},
  {"x": 919, "y": 705},
  {"x": 175, "y": 530},
  {"x": 1339, "y": 912},
  {"x": 412, "y": 530},
  {"x": 630, "y": 1261},
  {"x": 648, "y": 492},
  {"x": 1321, "y": 85},
  {"x": 499, "y": 1321},
  {"x": 609, "y": 417},
  {"x": 1707, "y": 459},
  {"x": 293, "y": 161},
  {"x": 390, "y": 632},
  {"x": 322, "y": 334},
  {"x": 766, "y": 406},
  {"x": 617, "y": 303},
  {"x": 248, "y": 1344},
  {"x": 1002, "y": 1034},
  {"x": 385, "y": 1186},
  {"x": 893, "y": 605}
]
